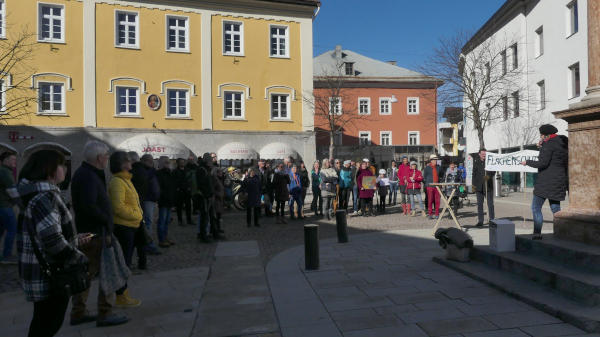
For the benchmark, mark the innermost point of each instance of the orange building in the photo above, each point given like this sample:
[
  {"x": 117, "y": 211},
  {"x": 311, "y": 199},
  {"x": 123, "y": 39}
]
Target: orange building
[{"x": 378, "y": 103}]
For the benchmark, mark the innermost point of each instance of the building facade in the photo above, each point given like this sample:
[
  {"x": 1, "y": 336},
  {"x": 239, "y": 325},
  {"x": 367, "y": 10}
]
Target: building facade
[
  {"x": 167, "y": 77},
  {"x": 548, "y": 41},
  {"x": 388, "y": 105}
]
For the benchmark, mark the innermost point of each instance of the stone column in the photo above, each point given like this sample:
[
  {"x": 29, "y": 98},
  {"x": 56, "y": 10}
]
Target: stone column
[{"x": 581, "y": 220}]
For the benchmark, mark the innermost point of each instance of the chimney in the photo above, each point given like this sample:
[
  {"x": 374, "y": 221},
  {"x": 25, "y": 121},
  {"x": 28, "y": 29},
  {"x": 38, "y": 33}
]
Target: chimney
[
  {"x": 338, "y": 52},
  {"x": 394, "y": 63}
]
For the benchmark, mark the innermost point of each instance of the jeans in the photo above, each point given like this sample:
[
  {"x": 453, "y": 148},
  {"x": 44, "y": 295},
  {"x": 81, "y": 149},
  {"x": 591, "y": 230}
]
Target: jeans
[
  {"x": 419, "y": 198},
  {"x": 433, "y": 196},
  {"x": 148, "y": 209},
  {"x": 490, "y": 202},
  {"x": 536, "y": 209},
  {"x": 48, "y": 316},
  {"x": 343, "y": 199},
  {"x": 393, "y": 191},
  {"x": 8, "y": 223},
  {"x": 164, "y": 218},
  {"x": 297, "y": 198},
  {"x": 355, "y": 198}
]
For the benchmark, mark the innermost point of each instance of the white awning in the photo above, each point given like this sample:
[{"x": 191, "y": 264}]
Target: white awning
[
  {"x": 235, "y": 151},
  {"x": 278, "y": 151},
  {"x": 157, "y": 145}
]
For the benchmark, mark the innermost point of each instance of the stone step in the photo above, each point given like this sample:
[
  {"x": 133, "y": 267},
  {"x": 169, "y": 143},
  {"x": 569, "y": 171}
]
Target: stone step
[
  {"x": 543, "y": 298},
  {"x": 574, "y": 283},
  {"x": 569, "y": 253}
]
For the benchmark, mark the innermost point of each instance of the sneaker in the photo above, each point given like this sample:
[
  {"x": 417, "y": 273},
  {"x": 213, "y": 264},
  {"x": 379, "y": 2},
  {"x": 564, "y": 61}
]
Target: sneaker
[
  {"x": 125, "y": 301},
  {"x": 86, "y": 318},
  {"x": 111, "y": 320},
  {"x": 479, "y": 224}
]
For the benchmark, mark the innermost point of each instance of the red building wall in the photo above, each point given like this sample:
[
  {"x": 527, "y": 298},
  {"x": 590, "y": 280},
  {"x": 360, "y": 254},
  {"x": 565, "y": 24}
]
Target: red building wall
[{"x": 399, "y": 122}]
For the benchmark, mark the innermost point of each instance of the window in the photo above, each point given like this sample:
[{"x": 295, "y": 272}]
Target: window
[
  {"x": 385, "y": 138},
  {"x": 364, "y": 137},
  {"x": 349, "y": 68},
  {"x": 541, "y": 95},
  {"x": 503, "y": 58},
  {"x": 280, "y": 41},
  {"x": 127, "y": 26},
  {"x": 414, "y": 138},
  {"x": 178, "y": 103},
  {"x": 233, "y": 38},
  {"x": 385, "y": 106},
  {"x": 364, "y": 106},
  {"x": 516, "y": 105},
  {"x": 504, "y": 108},
  {"x": 177, "y": 33},
  {"x": 539, "y": 42},
  {"x": 51, "y": 25},
  {"x": 51, "y": 98},
  {"x": 572, "y": 18},
  {"x": 280, "y": 106},
  {"x": 2, "y": 19},
  {"x": 234, "y": 105},
  {"x": 574, "y": 79},
  {"x": 412, "y": 105},
  {"x": 515, "y": 56},
  {"x": 335, "y": 105},
  {"x": 127, "y": 101}
]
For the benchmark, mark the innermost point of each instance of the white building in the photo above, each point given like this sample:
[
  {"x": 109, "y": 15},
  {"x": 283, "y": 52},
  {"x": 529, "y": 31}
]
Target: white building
[{"x": 548, "y": 41}]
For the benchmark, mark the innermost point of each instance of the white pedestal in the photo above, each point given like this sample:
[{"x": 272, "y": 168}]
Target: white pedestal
[{"x": 502, "y": 235}]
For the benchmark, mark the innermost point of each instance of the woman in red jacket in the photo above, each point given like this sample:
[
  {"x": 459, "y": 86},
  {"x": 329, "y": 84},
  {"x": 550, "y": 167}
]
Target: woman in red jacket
[
  {"x": 403, "y": 170},
  {"x": 365, "y": 195},
  {"x": 413, "y": 188}
]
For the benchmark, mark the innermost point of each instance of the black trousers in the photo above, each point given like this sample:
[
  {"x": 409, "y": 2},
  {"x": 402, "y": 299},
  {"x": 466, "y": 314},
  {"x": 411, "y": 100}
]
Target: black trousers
[
  {"x": 249, "y": 211},
  {"x": 364, "y": 203},
  {"x": 343, "y": 198},
  {"x": 490, "y": 202},
  {"x": 184, "y": 200},
  {"x": 280, "y": 209},
  {"x": 130, "y": 238},
  {"x": 382, "y": 198},
  {"x": 48, "y": 316},
  {"x": 317, "y": 202}
]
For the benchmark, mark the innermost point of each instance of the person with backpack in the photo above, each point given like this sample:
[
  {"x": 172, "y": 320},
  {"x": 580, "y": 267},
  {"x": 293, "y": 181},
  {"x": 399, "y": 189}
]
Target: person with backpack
[{"x": 345, "y": 185}]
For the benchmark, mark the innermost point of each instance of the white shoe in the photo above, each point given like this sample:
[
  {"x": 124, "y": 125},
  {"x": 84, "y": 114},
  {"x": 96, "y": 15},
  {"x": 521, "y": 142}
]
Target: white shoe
[{"x": 355, "y": 213}]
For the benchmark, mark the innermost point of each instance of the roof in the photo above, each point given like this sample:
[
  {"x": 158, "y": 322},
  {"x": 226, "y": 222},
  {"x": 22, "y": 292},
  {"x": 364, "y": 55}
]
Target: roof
[
  {"x": 313, "y": 3},
  {"x": 365, "y": 68},
  {"x": 497, "y": 20}
]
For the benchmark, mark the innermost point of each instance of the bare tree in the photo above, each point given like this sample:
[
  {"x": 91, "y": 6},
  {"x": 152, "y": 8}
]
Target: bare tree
[
  {"x": 480, "y": 77},
  {"x": 334, "y": 107},
  {"x": 16, "y": 53}
]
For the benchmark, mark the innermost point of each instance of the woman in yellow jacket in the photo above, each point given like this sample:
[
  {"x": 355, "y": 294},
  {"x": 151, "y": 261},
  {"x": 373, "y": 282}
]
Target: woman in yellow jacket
[{"x": 127, "y": 216}]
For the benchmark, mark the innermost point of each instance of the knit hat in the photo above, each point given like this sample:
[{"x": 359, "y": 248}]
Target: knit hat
[
  {"x": 433, "y": 156},
  {"x": 347, "y": 162},
  {"x": 365, "y": 160},
  {"x": 413, "y": 163},
  {"x": 548, "y": 129},
  {"x": 382, "y": 171}
]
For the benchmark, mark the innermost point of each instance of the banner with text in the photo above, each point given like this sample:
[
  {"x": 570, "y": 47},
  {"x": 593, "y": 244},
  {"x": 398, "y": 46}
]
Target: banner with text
[{"x": 510, "y": 162}]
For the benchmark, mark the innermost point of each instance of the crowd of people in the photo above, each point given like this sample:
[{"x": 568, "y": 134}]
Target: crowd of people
[{"x": 110, "y": 221}]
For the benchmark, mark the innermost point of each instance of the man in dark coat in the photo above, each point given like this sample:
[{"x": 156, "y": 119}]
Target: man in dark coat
[
  {"x": 553, "y": 180},
  {"x": 183, "y": 197},
  {"x": 483, "y": 184},
  {"x": 151, "y": 193},
  {"x": 93, "y": 214},
  {"x": 205, "y": 192}
]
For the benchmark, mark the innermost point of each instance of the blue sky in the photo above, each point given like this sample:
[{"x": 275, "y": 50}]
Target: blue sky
[{"x": 401, "y": 30}]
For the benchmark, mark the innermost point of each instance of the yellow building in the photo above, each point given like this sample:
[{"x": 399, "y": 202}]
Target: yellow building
[{"x": 167, "y": 77}]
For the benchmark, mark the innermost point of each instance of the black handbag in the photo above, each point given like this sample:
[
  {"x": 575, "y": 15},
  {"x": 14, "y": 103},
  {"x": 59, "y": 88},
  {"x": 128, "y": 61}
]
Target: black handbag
[{"x": 65, "y": 280}]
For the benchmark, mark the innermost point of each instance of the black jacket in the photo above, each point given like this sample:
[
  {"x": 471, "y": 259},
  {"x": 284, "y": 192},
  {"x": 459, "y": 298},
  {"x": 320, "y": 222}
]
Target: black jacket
[
  {"x": 166, "y": 181},
  {"x": 304, "y": 179},
  {"x": 204, "y": 181},
  {"x": 552, "y": 164},
  {"x": 480, "y": 174},
  {"x": 91, "y": 205},
  {"x": 180, "y": 181},
  {"x": 139, "y": 179}
]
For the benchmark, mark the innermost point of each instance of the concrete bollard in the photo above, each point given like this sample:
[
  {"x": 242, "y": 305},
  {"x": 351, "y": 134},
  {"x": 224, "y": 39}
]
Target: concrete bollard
[
  {"x": 342, "y": 226},
  {"x": 311, "y": 247}
]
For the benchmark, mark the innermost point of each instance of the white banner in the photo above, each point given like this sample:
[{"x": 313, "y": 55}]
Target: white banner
[
  {"x": 510, "y": 162},
  {"x": 469, "y": 168}
]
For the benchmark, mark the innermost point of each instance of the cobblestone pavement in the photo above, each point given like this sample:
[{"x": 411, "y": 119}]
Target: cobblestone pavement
[{"x": 274, "y": 238}]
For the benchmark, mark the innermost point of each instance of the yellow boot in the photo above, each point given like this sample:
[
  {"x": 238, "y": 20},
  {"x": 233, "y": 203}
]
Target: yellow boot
[{"x": 124, "y": 301}]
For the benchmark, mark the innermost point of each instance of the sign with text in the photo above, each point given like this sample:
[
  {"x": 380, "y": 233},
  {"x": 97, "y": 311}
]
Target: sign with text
[{"x": 510, "y": 162}]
